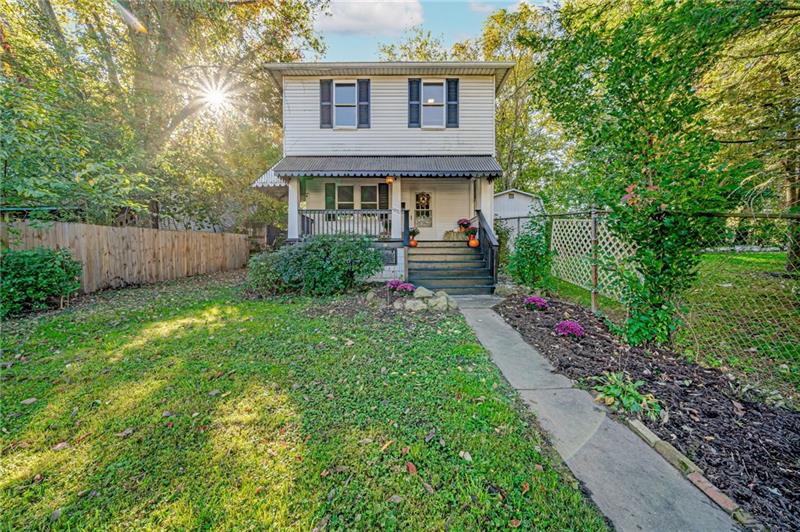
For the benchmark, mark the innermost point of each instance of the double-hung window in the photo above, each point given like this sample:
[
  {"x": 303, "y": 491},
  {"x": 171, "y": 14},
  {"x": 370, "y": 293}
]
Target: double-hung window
[
  {"x": 369, "y": 197},
  {"x": 433, "y": 110},
  {"x": 344, "y": 104},
  {"x": 344, "y": 197}
]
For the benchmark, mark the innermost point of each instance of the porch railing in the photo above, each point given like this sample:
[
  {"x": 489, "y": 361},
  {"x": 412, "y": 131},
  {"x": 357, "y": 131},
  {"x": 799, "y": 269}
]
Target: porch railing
[
  {"x": 490, "y": 246},
  {"x": 371, "y": 222}
]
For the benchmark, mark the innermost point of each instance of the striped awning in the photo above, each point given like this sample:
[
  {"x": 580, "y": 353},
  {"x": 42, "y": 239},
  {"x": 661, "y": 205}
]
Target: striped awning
[{"x": 388, "y": 165}]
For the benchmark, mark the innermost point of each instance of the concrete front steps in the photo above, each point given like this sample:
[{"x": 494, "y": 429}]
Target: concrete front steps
[{"x": 450, "y": 266}]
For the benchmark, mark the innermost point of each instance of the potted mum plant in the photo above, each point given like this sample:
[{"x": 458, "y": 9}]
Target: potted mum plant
[
  {"x": 412, "y": 233},
  {"x": 463, "y": 223},
  {"x": 472, "y": 234}
]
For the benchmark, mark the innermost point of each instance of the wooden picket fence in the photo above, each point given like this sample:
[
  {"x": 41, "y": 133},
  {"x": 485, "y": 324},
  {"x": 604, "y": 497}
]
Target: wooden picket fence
[{"x": 119, "y": 256}]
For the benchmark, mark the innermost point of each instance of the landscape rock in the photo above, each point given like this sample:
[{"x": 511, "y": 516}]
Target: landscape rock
[
  {"x": 505, "y": 290},
  {"x": 422, "y": 293},
  {"x": 415, "y": 305},
  {"x": 370, "y": 296},
  {"x": 398, "y": 305},
  {"x": 438, "y": 303},
  {"x": 452, "y": 304}
]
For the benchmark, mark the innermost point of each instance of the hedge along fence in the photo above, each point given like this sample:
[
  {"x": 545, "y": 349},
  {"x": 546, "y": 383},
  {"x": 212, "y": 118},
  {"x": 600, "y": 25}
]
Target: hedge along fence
[{"x": 118, "y": 256}]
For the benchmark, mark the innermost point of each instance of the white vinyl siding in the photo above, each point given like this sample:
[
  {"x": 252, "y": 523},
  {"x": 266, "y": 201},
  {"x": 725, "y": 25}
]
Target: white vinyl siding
[{"x": 388, "y": 133}]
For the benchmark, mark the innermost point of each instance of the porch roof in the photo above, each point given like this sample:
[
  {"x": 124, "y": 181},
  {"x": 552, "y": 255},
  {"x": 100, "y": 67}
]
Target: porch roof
[{"x": 388, "y": 165}]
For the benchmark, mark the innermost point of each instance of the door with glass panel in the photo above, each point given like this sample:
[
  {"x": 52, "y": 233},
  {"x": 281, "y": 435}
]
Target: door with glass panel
[{"x": 423, "y": 214}]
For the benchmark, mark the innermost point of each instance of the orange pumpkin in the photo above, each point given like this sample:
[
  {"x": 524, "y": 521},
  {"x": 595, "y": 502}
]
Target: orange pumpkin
[
  {"x": 474, "y": 242},
  {"x": 412, "y": 243}
]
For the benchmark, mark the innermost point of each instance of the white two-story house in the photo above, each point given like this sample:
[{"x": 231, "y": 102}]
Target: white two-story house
[{"x": 380, "y": 148}]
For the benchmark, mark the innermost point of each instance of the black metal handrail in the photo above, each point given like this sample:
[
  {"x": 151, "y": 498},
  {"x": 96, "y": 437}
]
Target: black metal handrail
[
  {"x": 372, "y": 222},
  {"x": 406, "y": 228},
  {"x": 490, "y": 246}
]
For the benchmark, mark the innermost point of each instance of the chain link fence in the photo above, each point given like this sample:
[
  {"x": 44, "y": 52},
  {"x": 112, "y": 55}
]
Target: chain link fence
[{"x": 743, "y": 310}]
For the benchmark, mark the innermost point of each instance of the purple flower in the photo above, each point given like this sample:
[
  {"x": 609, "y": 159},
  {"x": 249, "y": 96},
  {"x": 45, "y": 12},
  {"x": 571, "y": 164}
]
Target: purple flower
[
  {"x": 393, "y": 284},
  {"x": 406, "y": 287},
  {"x": 570, "y": 328},
  {"x": 535, "y": 303}
]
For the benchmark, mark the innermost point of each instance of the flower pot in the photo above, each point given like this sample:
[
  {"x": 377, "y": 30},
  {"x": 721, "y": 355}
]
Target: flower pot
[{"x": 412, "y": 243}]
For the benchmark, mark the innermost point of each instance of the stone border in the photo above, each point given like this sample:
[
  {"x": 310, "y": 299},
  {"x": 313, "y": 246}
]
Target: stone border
[{"x": 694, "y": 474}]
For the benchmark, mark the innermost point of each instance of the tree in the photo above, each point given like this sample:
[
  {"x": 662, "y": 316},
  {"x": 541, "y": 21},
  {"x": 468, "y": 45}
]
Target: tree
[
  {"x": 157, "y": 99},
  {"x": 754, "y": 112},
  {"x": 417, "y": 44},
  {"x": 621, "y": 78}
]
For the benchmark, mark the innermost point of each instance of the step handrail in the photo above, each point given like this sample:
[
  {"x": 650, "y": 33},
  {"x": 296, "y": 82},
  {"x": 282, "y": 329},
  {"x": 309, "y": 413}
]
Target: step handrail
[{"x": 489, "y": 244}]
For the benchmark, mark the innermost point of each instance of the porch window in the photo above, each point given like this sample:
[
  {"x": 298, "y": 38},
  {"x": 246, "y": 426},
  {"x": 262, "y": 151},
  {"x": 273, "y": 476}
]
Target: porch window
[
  {"x": 433, "y": 104},
  {"x": 344, "y": 197},
  {"x": 344, "y": 104},
  {"x": 369, "y": 197}
]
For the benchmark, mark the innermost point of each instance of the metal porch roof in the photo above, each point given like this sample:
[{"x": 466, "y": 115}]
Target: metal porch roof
[{"x": 388, "y": 165}]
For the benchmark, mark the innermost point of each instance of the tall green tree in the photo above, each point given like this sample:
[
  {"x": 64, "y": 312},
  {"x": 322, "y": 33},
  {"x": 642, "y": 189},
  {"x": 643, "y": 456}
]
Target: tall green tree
[
  {"x": 167, "y": 95},
  {"x": 621, "y": 78}
]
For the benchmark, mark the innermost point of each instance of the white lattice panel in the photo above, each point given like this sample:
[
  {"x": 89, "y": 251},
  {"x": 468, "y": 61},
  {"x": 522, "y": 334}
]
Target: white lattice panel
[{"x": 571, "y": 243}]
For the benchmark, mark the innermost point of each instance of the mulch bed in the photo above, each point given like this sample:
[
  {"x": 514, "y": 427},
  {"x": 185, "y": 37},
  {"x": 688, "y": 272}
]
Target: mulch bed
[{"x": 749, "y": 450}]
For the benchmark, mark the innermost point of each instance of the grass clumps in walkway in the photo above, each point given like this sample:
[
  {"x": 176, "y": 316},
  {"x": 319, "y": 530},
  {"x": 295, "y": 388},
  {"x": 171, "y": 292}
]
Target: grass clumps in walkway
[{"x": 183, "y": 406}]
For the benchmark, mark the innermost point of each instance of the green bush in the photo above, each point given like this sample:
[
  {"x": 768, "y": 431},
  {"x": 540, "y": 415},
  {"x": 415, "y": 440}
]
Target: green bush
[
  {"x": 320, "y": 265},
  {"x": 36, "y": 280},
  {"x": 503, "y": 233},
  {"x": 529, "y": 262}
]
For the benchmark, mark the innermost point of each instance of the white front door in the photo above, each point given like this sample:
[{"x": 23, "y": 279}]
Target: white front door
[{"x": 423, "y": 212}]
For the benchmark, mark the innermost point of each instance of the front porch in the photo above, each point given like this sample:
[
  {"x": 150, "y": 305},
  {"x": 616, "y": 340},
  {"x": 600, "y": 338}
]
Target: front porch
[{"x": 385, "y": 196}]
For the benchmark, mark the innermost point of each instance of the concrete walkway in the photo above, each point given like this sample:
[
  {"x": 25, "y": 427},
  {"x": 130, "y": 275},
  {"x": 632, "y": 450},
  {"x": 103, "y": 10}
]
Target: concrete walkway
[{"x": 631, "y": 484}]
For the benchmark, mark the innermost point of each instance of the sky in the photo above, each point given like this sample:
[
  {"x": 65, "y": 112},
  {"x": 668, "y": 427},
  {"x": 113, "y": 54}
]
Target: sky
[{"x": 355, "y": 28}]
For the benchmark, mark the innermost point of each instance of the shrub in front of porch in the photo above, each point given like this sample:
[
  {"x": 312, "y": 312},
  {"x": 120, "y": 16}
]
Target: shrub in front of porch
[{"x": 320, "y": 265}]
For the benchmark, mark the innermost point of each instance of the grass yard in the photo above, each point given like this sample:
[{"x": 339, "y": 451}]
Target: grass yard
[
  {"x": 739, "y": 316},
  {"x": 186, "y": 406}
]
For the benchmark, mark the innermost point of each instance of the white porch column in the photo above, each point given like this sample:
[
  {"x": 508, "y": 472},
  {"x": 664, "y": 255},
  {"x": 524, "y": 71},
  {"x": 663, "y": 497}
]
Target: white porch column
[
  {"x": 397, "y": 211},
  {"x": 293, "y": 224},
  {"x": 487, "y": 200}
]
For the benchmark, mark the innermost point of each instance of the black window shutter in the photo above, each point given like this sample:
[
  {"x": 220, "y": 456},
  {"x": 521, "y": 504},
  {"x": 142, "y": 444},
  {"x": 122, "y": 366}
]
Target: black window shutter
[
  {"x": 325, "y": 107},
  {"x": 452, "y": 103},
  {"x": 363, "y": 103},
  {"x": 330, "y": 195},
  {"x": 383, "y": 196},
  {"x": 414, "y": 86}
]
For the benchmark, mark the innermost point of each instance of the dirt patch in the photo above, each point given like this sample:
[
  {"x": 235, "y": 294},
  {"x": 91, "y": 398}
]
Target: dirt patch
[{"x": 748, "y": 449}]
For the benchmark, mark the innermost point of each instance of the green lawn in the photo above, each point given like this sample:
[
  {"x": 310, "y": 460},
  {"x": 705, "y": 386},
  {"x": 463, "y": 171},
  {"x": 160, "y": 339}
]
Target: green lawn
[{"x": 185, "y": 406}]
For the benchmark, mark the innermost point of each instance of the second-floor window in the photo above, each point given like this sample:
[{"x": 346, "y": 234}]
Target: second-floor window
[
  {"x": 344, "y": 104},
  {"x": 433, "y": 103}
]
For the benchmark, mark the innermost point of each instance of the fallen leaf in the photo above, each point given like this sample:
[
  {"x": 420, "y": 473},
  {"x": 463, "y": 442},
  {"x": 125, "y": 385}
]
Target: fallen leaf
[
  {"x": 55, "y": 515},
  {"x": 428, "y": 487},
  {"x": 322, "y": 525},
  {"x": 170, "y": 424},
  {"x": 395, "y": 499},
  {"x": 386, "y": 445},
  {"x": 738, "y": 409},
  {"x": 349, "y": 343},
  {"x": 29, "y": 401},
  {"x": 212, "y": 393},
  {"x": 60, "y": 446},
  {"x": 125, "y": 433},
  {"x": 324, "y": 473},
  {"x": 538, "y": 467},
  {"x": 465, "y": 455},
  {"x": 405, "y": 451},
  {"x": 525, "y": 488},
  {"x": 411, "y": 468},
  {"x": 514, "y": 523},
  {"x": 430, "y": 436},
  {"x": 166, "y": 413}
]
